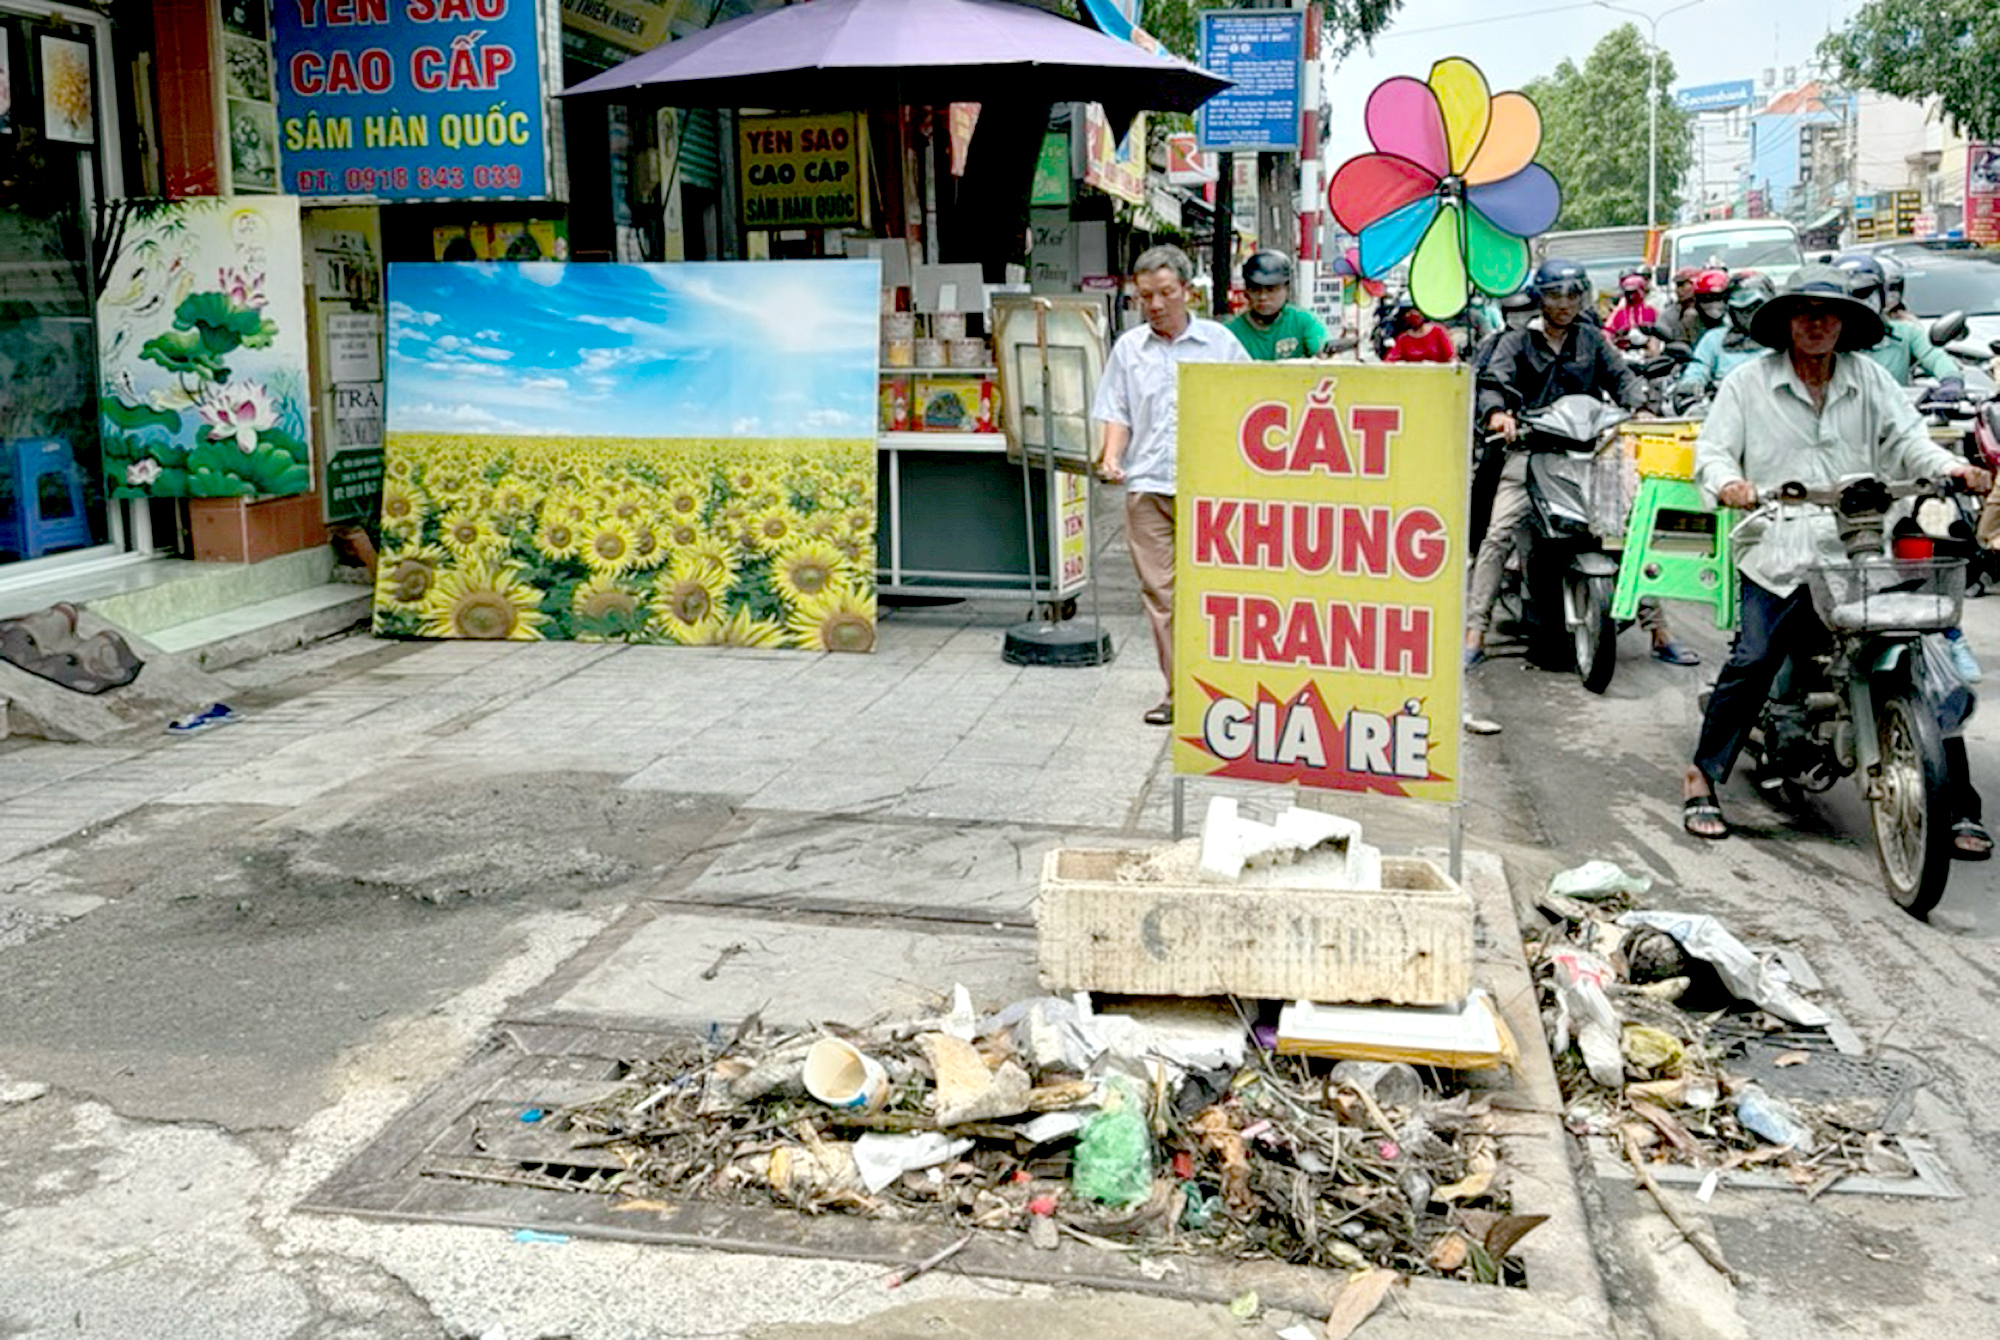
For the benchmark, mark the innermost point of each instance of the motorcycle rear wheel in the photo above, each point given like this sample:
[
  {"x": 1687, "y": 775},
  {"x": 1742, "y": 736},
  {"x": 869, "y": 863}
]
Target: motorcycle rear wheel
[
  {"x": 1595, "y": 632},
  {"x": 1913, "y": 836}
]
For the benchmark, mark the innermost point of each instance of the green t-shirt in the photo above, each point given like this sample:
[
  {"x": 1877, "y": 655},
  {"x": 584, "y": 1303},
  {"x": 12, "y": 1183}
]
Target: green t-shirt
[{"x": 1296, "y": 333}]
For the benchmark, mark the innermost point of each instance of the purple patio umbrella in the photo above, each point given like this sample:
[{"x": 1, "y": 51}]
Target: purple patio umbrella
[{"x": 853, "y": 54}]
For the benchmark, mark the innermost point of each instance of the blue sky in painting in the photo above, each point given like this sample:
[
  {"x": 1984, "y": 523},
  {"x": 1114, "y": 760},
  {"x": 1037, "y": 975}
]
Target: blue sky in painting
[{"x": 709, "y": 349}]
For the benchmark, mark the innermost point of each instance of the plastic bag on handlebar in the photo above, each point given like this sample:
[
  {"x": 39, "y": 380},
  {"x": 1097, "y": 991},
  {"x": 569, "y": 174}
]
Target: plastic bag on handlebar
[
  {"x": 1943, "y": 689},
  {"x": 1787, "y": 543}
]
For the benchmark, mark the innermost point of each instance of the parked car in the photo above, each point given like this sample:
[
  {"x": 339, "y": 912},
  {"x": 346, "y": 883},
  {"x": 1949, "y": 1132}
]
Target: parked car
[{"x": 1937, "y": 282}]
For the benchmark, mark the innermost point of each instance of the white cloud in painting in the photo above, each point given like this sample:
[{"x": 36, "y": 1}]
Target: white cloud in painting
[
  {"x": 403, "y": 314},
  {"x": 775, "y": 307},
  {"x": 831, "y": 420},
  {"x": 489, "y": 336},
  {"x": 461, "y": 417},
  {"x": 543, "y": 384},
  {"x": 747, "y": 426},
  {"x": 488, "y": 353}
]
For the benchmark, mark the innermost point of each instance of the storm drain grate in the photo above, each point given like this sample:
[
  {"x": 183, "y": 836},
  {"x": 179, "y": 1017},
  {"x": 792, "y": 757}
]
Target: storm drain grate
[{"x": 1873, "y": 1095}]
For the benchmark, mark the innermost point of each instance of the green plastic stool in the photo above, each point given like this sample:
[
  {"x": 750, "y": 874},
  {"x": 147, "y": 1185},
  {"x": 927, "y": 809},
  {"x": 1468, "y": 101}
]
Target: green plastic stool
[{"x": 1686, "y": 561}]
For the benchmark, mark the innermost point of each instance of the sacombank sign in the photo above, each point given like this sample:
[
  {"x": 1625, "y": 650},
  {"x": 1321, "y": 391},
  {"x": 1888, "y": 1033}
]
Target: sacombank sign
[{"x": 1716, "y": 97}]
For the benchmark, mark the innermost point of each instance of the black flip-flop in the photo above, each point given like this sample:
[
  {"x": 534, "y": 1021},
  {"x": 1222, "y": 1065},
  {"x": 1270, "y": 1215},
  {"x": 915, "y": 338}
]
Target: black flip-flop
[
  {"x": 1973, "y": 830},
  {"x": 1703, "y": 807},
  {"x": 1161, "y": 714}
]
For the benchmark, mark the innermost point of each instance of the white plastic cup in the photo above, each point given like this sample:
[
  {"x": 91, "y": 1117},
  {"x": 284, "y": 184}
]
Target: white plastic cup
[{"x": 840, "y": 1076}]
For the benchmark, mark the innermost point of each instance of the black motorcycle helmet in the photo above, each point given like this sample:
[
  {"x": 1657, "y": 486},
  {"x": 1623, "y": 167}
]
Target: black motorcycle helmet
[
  {"x": 1747, "y": 292},
  {"x": 1559, "y": 277},
  {"x": 1865, "y": 280},
  {"x": 1892, "y": 283},
  {"x": 1267, "y": 269}
]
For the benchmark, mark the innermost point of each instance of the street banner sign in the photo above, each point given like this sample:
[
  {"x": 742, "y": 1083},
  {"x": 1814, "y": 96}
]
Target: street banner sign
[
  {"x": 1187, "y": 165},
  {"x": 1982, "y": 194},
  {"x": 1262, "y": 51},
  {"x": 1716, "y": 97},
  {"x": 1319, "y": 575},
  {"x": 416, "y": 100}
]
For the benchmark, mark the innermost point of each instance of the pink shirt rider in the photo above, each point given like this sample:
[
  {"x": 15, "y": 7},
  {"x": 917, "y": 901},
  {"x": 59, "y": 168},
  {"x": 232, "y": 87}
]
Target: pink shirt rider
[{"x": 1629, "y": 314}]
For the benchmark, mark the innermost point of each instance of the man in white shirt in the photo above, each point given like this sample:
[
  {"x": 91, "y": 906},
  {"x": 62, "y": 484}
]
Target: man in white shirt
[
  {"x": 1816, "y": 411},
  {"x": 1138, "y": 404}
]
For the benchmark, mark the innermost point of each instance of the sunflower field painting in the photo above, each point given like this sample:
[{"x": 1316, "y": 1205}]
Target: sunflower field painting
[{"x": 675, "y": 453}]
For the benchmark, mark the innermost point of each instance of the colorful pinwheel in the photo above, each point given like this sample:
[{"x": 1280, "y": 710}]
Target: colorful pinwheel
[
  {"x": 1347, "y": 265},
  {"x": 1452, "y": 179}
]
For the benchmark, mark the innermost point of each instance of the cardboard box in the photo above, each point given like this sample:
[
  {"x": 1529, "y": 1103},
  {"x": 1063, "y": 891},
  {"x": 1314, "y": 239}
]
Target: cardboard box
[
  {"x": 1409, "y": 942},
  {"x": 955, "y": 405}
]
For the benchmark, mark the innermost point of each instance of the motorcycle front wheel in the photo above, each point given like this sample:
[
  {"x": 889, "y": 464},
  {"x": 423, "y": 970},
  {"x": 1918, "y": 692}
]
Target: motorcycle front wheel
[
  {"x": 1906, "y": 804},
  {"x": 1593, "y": 630}
]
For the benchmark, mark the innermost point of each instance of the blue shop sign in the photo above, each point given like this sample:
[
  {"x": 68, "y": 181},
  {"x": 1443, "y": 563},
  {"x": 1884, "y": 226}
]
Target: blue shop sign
[
  {"x": 1260, "y": 50},
  {"x": 411, "y": 99}
]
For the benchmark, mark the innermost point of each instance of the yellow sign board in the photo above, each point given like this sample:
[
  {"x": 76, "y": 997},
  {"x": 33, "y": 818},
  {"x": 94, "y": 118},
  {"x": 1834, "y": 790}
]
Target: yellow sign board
[
  {"x": 1320, "y": 575},
  {"x": 634, "y": 25},
  {"x": 800, "y": 171}
]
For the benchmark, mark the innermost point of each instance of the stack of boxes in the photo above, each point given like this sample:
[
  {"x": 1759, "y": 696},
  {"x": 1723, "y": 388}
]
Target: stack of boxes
[{"x": 937, "y": 371}]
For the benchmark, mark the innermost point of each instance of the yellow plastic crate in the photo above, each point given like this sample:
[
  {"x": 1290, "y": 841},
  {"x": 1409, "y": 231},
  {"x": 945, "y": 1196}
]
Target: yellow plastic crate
[{"x": 1663, "y": 448}]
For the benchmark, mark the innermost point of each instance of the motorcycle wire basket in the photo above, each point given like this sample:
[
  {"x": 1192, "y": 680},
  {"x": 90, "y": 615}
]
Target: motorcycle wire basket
[{"x": 1890, "y": 596}]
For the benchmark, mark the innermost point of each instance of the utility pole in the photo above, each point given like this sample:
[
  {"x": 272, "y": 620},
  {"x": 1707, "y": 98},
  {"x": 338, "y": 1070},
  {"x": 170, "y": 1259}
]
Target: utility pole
[{"x": 1652, "y": 100}]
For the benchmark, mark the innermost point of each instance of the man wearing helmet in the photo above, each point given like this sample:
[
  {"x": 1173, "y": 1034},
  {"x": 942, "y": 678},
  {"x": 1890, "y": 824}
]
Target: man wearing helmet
[
  {"x": 1272, "y": 327},
  {"x": 1728, "y": 346},
  {"x": 1703, "y": 309},
  {"x": 1813, "y": 411},
  {"x": 1530, "y": 369},
  {"x": 1905, "y": 347}
]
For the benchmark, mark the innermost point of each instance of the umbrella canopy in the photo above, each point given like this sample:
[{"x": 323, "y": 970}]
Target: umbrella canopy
[{"x": 851, "y": 54}]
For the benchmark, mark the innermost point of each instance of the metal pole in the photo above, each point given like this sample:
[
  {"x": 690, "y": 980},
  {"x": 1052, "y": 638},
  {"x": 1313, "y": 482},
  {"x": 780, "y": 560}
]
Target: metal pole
[
  {"x": 1223, "y": 246},
  {"x": 1653, "y": 131}
]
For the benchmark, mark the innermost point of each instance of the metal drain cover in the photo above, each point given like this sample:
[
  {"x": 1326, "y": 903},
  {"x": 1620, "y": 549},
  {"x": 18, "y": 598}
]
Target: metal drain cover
[{"x": 1859, "y": 1092}]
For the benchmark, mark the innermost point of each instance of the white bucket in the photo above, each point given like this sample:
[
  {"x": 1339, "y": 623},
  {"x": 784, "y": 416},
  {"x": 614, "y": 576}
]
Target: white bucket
[{"x": 840, "y": 1076}]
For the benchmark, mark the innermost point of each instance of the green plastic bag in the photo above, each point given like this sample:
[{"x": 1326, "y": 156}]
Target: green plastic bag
[{"x": 1114, "y": 1155}]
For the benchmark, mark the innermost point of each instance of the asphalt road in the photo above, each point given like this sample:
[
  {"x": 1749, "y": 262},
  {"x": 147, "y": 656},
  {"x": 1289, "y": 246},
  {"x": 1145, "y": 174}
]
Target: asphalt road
[{"x": 1598, "y": 776}]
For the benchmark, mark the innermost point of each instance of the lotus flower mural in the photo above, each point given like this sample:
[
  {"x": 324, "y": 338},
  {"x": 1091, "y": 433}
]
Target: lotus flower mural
[{"x": 1452, "y": 185}]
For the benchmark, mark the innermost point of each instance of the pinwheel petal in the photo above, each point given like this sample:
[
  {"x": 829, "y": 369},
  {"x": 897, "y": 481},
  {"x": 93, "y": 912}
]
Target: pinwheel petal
[
  {"x": 1513, "y": 134},
  {"x": 1463, "y": 100},
  {"x": 1523, "y": 204},
  {"x": 1403, "y": 119},
  {"x": 1387, "y": 240},
  {"x": 1498, "y": 261},
  {"x": 1374, "y": 185},
  {"x": 1437, "y": 275}
]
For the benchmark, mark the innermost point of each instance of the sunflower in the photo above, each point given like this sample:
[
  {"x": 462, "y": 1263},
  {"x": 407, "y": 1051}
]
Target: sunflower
[
  {"x": 683, "y": 601},
  {"x": 771, "y": 529},
  {"x": 859, "y": 520},
  {"x": 684, "y": 502},
  {"x": 558, "y": 536},
  {"x": 646, "y": 547},
  {"x": 806, "y": 569},
  {"x": 856, "y": 549},
  {"x": 404, "y": 576},
  {"x": 708, "y": 555},
  {"x": 482, "y": 600},
  {"x": 403, "y": 507},
  {"x": 511, "y": 499},
  {"x": 841, "y": 620},
  {"x": 604, "y": 608},
  {"x": 681, "y": 534},
  {"x": 742, "y": 629},
  {"x": 470, "y": 535},
  {"x": 609, "y": 546}
]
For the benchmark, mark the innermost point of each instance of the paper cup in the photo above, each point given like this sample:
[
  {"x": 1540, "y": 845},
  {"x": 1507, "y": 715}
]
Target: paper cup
[
  {"x": 930, "y": 353},
  {"x": 948, "y": 325},
  {"x": 899, "y": 326},
  {"x": 898, "y": 353},
  {"x": 840, "y": 1076},
  {"x": 966, "y": 354}
]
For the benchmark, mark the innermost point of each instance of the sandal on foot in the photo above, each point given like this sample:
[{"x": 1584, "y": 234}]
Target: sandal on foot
[
  {"x": 1705, "y": 812},
  {"x": 1160, "y": 714},
  {"x": 1970, "y": 841},
  {"x": 1673, "y": 653}
]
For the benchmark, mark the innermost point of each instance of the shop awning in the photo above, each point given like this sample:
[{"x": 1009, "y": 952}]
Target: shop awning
[
  {"x": 847, "y": 54},
  {"x": 1826, "y": 220}
]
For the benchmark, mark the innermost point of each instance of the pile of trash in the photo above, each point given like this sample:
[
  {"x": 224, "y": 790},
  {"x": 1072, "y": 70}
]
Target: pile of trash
[
  {"x": 1172, "y": 1127},
  {"x": 1677, "y": 1042}
]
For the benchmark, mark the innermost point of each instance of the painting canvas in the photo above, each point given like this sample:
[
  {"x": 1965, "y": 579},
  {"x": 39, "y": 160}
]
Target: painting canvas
[
  {"x": 202, "y": 345},
  {"x": 66, "y": 94},
  {"x": 253, "y": 145},
  {"x": 677, "y": 453},
  {"x": 247, "y": 67}
]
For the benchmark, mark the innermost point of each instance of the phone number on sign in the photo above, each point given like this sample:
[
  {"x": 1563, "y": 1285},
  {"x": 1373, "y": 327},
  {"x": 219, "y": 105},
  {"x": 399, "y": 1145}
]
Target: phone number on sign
[{"x": 364, "y": 181}]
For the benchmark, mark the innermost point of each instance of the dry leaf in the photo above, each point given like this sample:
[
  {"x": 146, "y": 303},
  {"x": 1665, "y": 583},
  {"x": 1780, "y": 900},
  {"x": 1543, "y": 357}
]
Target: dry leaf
[
  {"x": 1484, "y": 1160},
  {"x": 636, "y": 1206},
  {"x": 1357, "y": 1300},
  {"x": 1791, "y": 1058},
  {"x": 1448, "y": 1253},
  {"x": 1502, "y": 1236},
  {"x": 1220, "y": 1137}
]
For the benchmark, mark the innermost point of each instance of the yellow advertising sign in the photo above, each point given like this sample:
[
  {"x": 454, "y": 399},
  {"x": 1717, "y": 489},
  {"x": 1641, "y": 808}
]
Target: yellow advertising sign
[
  {"x": 1073, "y": 511},
  {"x": 1320, "y": 575},
  {"x": 634, "y": 25},
  {"x": 1114, "y": 166},
  {"x": 800, "y": 171}
]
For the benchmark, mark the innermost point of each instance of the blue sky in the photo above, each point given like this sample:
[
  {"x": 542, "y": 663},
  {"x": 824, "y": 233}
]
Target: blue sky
[
  {"x": 1512, "y": 41},
  {"x": 718, "y": 349}
]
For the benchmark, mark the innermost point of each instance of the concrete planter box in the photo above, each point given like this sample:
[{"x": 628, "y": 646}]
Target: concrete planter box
[{"x": 1407, "y": 943}]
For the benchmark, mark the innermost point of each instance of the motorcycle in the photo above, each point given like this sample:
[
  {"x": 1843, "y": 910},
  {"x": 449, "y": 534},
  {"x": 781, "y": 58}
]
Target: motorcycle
[
  {"x": 1564, "y": 565},
  {"x": 1859, "y": 705}
]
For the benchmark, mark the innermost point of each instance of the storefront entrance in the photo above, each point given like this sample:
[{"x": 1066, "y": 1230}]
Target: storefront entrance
[{"x": 58, "y": 155}]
